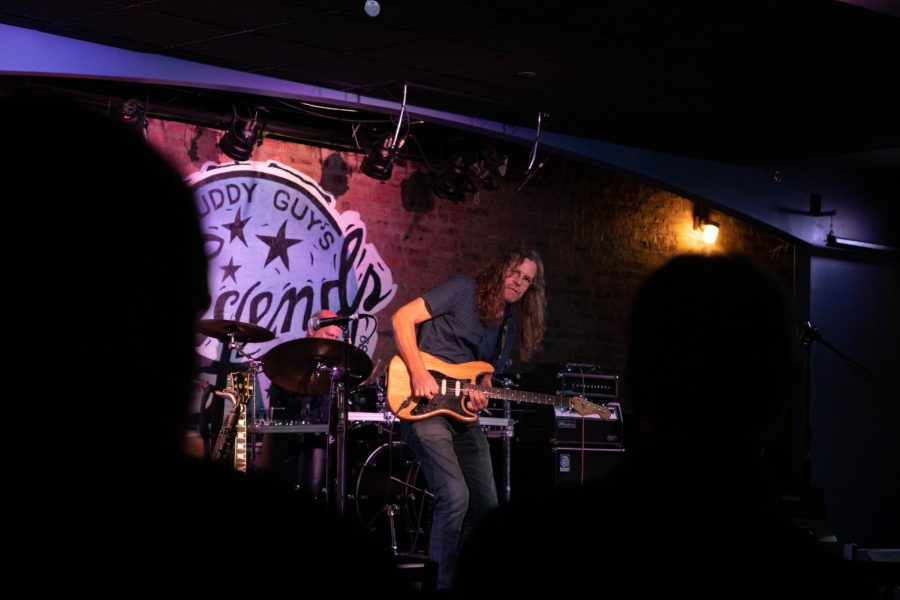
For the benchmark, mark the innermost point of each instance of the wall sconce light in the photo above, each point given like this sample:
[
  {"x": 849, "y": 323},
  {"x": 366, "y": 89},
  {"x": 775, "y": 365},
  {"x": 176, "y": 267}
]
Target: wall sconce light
[
  {"x": 709, "y": 229},
  {"x": 709, "y": 232},
  {"x": 244, "y": 134},
  {"x": 379, "y": 160}
]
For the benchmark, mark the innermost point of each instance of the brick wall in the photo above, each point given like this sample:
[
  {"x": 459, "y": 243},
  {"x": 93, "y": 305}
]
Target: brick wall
[{"x": 599, "y": 233}]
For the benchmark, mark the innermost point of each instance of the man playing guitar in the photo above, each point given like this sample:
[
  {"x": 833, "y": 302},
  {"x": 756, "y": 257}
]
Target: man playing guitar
[{"x": 462, "y": 320}]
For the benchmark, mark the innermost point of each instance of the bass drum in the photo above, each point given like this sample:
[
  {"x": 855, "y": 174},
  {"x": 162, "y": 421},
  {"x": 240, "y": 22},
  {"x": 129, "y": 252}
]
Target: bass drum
[{"x": 392, "y": 502}]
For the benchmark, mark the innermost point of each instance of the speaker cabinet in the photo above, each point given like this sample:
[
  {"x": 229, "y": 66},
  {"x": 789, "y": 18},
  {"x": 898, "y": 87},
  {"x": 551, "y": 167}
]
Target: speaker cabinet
[
  {"x": 537, "y": 470},
  {"x": 576, "y": 466}
]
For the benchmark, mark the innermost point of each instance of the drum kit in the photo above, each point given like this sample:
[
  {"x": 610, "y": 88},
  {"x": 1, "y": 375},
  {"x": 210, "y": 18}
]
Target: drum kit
[{"x": 387, "y": 488}]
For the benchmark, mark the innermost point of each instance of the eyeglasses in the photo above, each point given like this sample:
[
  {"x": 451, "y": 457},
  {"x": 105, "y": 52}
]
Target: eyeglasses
[{"x": 515, "y": 272}]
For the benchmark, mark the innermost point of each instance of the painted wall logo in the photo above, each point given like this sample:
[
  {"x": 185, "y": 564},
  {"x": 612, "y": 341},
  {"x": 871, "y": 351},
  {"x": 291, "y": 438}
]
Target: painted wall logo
[{"x": 279, "y": 251}]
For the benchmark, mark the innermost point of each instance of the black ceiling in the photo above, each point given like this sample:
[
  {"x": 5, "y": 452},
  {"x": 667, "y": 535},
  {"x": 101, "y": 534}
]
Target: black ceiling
[{"x": 741, "y": 81}]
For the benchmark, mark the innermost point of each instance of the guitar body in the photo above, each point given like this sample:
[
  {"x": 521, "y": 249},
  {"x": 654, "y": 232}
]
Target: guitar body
[{"x": 450, "y": 403}]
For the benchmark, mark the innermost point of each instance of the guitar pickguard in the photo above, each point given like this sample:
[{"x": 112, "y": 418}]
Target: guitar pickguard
[{"x": 446, "y": 402}]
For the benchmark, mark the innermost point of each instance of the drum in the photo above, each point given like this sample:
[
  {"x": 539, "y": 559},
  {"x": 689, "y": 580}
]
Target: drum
[
  {"x": 391, "y": 500},
  {"x": 367, "y": 398}
]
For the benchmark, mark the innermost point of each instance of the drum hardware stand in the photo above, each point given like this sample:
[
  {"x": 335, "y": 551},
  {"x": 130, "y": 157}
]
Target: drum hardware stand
[
  {"x": 390, "y": 510},
  {"x": 337, "y": 434},
  {"x": 507, "y": 451},
  {"x": 508, "y": 433},
  {"x": 341, "y": 378}
]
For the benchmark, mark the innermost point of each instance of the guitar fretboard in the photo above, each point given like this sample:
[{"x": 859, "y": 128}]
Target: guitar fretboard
[
  {"x": 520, "y": 396},
  {"x": 564, "y": 402}
]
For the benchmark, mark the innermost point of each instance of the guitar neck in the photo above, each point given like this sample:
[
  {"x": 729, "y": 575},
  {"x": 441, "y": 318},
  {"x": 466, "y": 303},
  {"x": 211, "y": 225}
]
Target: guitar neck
[
  {"x": 521, "y": 396},
  {"x": 240, "y": 443}
]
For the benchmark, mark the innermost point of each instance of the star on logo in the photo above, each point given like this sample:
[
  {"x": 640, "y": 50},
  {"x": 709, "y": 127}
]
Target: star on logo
[
  {"x": 278, "y": 246},
  {"x": 236, "y": 228},
  {"x": 230, "y": 270}
]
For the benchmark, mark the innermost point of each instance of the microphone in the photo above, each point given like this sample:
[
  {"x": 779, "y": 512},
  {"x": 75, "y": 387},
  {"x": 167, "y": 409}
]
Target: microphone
[
  {"x": 809, "y": 333},
  {"x": 316, "y": 323}
]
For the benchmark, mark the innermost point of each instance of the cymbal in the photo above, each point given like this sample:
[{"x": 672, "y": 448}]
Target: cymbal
[
  {"x": 222, "y": 329},
  {"x": 293, "y": 365}
]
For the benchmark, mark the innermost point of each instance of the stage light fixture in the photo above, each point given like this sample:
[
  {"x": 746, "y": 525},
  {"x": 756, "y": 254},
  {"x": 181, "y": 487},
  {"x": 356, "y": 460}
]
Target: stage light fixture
[
  {"x": 453, "y": 183},
  {"x": 378, "y": 162},
  {"x": 133, "y": 114},
  {"x": 243, "y": 135},
  {"x": 490, "y": 169}
]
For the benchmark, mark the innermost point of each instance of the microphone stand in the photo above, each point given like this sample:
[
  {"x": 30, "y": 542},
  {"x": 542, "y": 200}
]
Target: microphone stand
[
  {"x": 808, "y": 335},
  {"x": 340, "y": 380}
]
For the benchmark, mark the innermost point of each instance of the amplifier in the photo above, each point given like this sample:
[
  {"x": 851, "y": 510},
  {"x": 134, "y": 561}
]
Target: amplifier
[
  {"x": 572, "y": 428},
  {"x": 588, "y": 386},
  {"x": 571, "y": 379},
  {"x": 545, "y": 425},
  {"x": 575, "y": 466},
  {"x": 538, "y": 470}
]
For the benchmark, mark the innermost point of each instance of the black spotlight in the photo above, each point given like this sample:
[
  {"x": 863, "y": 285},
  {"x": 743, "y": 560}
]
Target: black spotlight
[
  {"x": 379, "y": 161},
  {"x": 134, "y": 115},
  {"x": 244, "y": 134},
  {"x": 487, "y": 181},
  {"x": 454, "y": 183},
  {"x": 490, "y": 169}
]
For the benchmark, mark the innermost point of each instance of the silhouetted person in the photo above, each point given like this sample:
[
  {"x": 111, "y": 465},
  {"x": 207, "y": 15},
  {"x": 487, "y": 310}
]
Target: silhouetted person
[
  {"x": 712, "y": 359},
  {"x": 107, "y": 287}
]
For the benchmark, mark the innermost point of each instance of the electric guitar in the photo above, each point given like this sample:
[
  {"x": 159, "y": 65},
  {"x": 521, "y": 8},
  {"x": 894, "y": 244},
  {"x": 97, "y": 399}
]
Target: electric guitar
[
  {"x": 231, "y": 443},
  {"x": 454, "y": 381}
]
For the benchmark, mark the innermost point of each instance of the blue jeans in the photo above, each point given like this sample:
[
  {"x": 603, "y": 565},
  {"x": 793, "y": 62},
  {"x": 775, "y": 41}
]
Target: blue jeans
[{"x": 456, "y": 461}]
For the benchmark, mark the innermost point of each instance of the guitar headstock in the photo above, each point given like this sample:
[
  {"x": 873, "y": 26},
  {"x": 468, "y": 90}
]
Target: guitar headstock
[
  {"x": 586, "y": 407},
  {"x": 241, "y": 383}
]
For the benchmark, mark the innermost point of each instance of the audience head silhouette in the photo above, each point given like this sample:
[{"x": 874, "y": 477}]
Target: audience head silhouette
[
  {"x": 113, "y": 303},
  {"x": 712, "y": 357},
  {"x": 711, "y": 341},
  {"x": 122, "y": 276}
]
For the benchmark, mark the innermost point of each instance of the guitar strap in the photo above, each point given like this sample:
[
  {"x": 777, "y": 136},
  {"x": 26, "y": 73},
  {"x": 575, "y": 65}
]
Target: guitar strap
[{"x": 501, "y": 339}]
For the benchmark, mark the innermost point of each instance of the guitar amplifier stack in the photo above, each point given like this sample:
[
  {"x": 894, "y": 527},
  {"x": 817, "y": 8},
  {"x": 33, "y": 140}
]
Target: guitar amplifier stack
[
  {"x": 555, "y": 426},
  {"x": 563, "y": 446}
]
